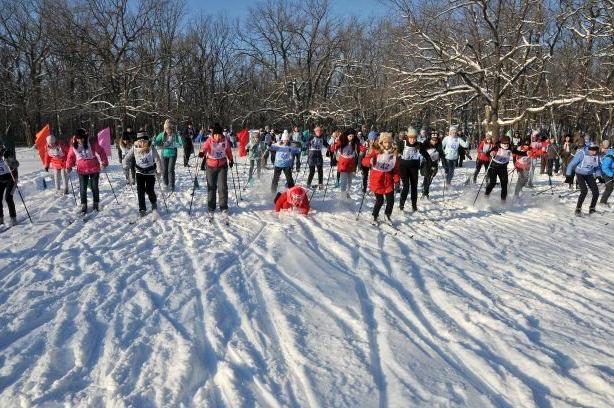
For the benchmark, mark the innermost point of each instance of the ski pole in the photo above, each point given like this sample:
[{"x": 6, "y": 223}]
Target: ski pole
[
  {"x": 109, "y": 180},
  {"x": 194, "y": 184},
  {"x": 238, "y": 181},
  {"x": 483, "y": 179},
  {"x": 234, "y": 186},
  {"x": 20, "y": 196},
  {"x": 361, "y": 203},
  {"x": 74, "y": 196},
  {"x": 327, "y": 181}
]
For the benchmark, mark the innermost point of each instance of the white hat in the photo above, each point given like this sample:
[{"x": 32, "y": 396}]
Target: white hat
[
  {"x": 411, "y": 132},
  {"x": 285, "y": 137}
]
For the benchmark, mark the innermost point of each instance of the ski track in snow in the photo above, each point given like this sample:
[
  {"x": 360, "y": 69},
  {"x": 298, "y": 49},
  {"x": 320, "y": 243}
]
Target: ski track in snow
[{"x": 487, "y": 305}]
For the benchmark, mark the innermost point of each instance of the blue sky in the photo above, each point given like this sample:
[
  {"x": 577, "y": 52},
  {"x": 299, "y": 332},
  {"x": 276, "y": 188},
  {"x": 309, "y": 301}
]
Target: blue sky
[{"x": 238, "y": 8}]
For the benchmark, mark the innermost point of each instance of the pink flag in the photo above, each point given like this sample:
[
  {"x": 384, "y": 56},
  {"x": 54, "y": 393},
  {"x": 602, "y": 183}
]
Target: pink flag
[{"x": 104, "y": 140}]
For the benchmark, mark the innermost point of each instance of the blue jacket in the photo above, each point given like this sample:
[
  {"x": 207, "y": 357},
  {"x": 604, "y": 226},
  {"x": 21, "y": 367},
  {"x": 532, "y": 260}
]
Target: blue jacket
[
  {"x": 607, "y": 163},
  {"x": 584, "y": 164},
  {"x": 285, "y": 155}
]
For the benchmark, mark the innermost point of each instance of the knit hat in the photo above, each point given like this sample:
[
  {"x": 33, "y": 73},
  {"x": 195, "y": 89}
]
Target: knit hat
[
  {"x": 217, "y": 129},
  {"x": 593, "y": 146},
  {"x": 434, "y": 135},
  {"x": 372, "y": 135},
  {"x": 50, "y": 139},
  {"x": 285, "y": 137},
  {"x": 411, "y": 132},
  {"x": 142, "y": 136}
]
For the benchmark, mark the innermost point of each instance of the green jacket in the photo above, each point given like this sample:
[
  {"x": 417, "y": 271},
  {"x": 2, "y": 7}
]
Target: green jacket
[{"x": 168, "y": 147}]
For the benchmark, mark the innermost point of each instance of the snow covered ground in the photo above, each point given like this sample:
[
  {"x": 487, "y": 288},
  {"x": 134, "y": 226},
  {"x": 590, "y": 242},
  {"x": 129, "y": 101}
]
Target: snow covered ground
[{"x": 478, "y": 309}]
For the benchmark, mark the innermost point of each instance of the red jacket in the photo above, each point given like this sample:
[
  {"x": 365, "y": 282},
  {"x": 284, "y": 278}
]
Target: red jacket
[
  {"x": 85, "y": 159},
  {"x": 383, "y": 181},
  {"x": 484, "y": 157},
  {"x": 55, "y": 156},
  {"x": 346, "y": 158},
  {"x": 365, "y": 162},
  {"x": 524, "y": 162},
  {"x": 295, "y": 197},
  {"x": 217, "y": 154}
]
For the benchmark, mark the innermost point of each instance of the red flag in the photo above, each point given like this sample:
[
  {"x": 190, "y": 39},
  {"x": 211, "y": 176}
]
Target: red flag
[
  {"x": 243, "y": 136},
  {"x": 41, "y": 142},
  {"x": 104, "y": 140}
]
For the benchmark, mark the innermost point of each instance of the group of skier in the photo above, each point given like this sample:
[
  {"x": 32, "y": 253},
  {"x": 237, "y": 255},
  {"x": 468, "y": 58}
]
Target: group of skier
[{"x": 388, "y": 164}]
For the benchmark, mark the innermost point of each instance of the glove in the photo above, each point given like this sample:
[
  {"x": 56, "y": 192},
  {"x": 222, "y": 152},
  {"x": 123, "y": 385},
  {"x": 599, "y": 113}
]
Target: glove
[
  {"x": 47, "y": 169},
  {"x": 201, "y": 154},
  {"x": 231, "y": 163},
  {"x": 601, "y": 180},
  {"x": 569, "y": 180}
]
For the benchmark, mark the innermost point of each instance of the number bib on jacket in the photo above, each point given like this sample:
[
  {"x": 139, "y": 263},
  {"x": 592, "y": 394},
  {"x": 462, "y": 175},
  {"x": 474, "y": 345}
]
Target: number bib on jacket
[
  {"x": 316, "y": 144},
  {"x": 84, "y": 154},
  {"x": 589, "y": 162},
  {"x": 143, "y": 160},
  {"x": 284, "y": 155},
  {"x": 218, "y": 151},
  {"x": 410, "y": 152},
  {"x": 502, "y": 156},
  {"x": 486, "y": 148},
  {"x": 4, "y": 168},
  {"x": 55, "y": 151},
  {"x": 434, "y": 154},
  {"x": 454, "y": 144},
  {"x": 348, "y": 152},
  {"x": 385, "y": 162}
]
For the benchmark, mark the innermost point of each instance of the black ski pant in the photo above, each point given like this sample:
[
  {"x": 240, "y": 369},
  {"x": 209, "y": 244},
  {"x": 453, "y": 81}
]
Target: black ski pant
[
  {"x": 277, "y": 173},
  {"x": 429, "y": 174},
  {"x": 478, "y": 166},
  {"x": 145, "y": 183},
  {"x": 553, "y": 163},
  {"x": 217, "y": 184},
  {"x": 312, "y": 170},
  {"x": 609, "y": 186},
  {"x": 409, "y": 178},
  {"x": 92, "y": 180},
  {"x": 379, "y": 202},
  {"x": 188, "y": 149},
  {"x": 365, "y": 178},
  {"x": 7, "y": 188},
  {"x": 493, "y": 173},
  {"x": 586, "y": 182}
]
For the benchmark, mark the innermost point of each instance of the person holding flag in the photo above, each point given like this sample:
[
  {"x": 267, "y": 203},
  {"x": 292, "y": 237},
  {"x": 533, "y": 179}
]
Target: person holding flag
[{"x": 55, "y": 158}]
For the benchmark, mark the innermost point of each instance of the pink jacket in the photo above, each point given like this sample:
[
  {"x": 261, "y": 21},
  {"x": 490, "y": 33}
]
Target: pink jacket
[
  {"x": 55, "y": 156},
  {"x": 217, "y": 154},
  {"x": 87, "y": 162}
]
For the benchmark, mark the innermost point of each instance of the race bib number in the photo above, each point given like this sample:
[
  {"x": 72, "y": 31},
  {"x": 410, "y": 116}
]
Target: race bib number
[
  {"x": 434, "y": 154},
  {"x": 218, "y": 151},
  {"x": 410, "y": 153},
  {"x": 4, "y": 168},
  {"x": 348, "y": 152},
  {"x": 84, "y": 154},
  {"x": 284, "y": 155},
  {"x": 453, "y": 145},
  {"x": 385, "y": 162},
  {"x": 55, "y": 152},
  {"x": 144, "y": 160},
  {"x": 590, "y": 161},
  {"x": 316, "y": 144}
]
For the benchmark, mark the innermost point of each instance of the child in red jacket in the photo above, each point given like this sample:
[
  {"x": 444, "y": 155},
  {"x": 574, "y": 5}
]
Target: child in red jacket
[
  {"x": 384, "y": 174},
  {"x": 55, "y": 158},
  {"x": 293, "y": 198}
]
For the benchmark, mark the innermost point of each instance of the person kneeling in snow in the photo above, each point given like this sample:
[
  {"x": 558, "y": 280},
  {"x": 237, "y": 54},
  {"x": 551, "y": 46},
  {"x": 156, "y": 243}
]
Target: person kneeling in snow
[
  {"x": 145, "y": 158},
  {"x": 293, "y": 198}
]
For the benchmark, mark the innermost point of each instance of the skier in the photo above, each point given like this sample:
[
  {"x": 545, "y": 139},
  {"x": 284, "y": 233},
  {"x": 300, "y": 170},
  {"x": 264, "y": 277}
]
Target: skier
[
  {"x": 552, "y": 155},
  {"x": 413, "y": 155},
  {"x": 83, "y": 154},
  {"x": 586, "y": 165},
  {"x": 523, "y": 156},
  {"x": 384, "y": 174},
  {"x": 292, "y": 198},
  {"x": 429, "y": 172},
  {"x": 8, "y": 183},
  {"x": 607, "y": 170},
  {"x": 483, "y": 158},
  {"x": 268, "y": 141},
  {"x": 255, "y": 150},
  {"x": 346, "y": 149},
  {"x": 188, "y": 144},
  {"x": 536, "y": 146},
  {"x": 125, "y": 145},
  {"x": 55, "y": 158},
  {"x": 218, "y": 151},
  {"x": 127, "y": 138},
  {"x": 365, "y": 163},
  {"x": 330, "y": 152},
  {"x": 169, "y": 140},
  {"x": 501, "y": 155},
  {"x": 284, "y": 156},
  {"x": 297, "y": 141},
  {"x": 146, "y": 160},
  {"x": 314, "y": 156},
  {"x": 544, "y": 154},
  {"x": 568, "y": 150},
  {"x": 450, "y": 145}
]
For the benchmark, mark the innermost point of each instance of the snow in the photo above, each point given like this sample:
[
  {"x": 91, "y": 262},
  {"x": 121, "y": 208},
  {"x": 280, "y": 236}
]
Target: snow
[{"x": 478, "y": 309}]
